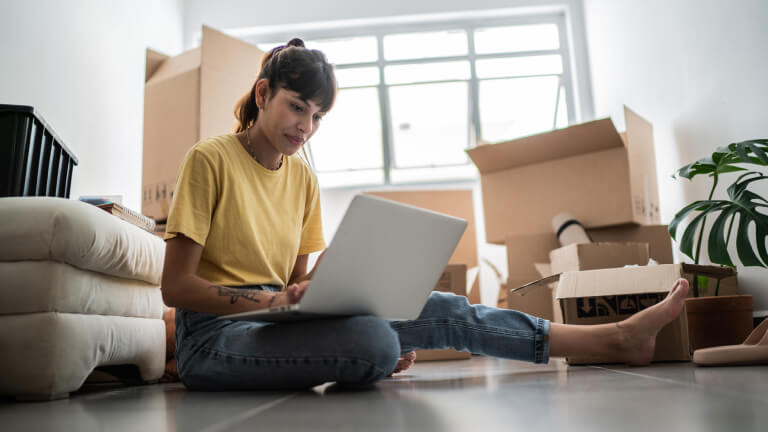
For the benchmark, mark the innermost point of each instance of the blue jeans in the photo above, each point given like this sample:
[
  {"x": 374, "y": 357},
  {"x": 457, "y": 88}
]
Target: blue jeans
[{"x": 354, "y": 351}]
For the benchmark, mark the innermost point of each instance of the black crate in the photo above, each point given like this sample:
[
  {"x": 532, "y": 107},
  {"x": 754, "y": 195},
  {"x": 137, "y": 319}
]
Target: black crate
[{"x": 33, "y": 160}]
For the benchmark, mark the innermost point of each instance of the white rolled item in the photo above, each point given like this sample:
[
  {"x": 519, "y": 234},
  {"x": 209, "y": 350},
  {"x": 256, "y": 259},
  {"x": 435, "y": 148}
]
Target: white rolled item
[{"x": 569, "y": 230}]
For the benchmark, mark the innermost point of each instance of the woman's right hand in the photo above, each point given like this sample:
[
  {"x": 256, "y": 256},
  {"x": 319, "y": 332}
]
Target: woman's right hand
[{"x": 296, "y": 291}]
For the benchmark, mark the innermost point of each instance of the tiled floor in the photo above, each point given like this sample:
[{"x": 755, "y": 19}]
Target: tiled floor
[{"x": 481, "y": 394}]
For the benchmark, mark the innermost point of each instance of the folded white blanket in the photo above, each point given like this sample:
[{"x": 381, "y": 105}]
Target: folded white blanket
[
  {"x": 47, "y": 355},
  {"x": 80, "y": 234},
  {"x": 51, "y": 286}
]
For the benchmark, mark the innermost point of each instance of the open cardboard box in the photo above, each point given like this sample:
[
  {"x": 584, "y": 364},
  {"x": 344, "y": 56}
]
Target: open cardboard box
[
  {"x": 611, "y": 295},
  {"x": 187, "y": 98},
  {"x": 594, "y": 256},
  {"x": 525, "y": 251},
  {"x": 599, "y": 176}
]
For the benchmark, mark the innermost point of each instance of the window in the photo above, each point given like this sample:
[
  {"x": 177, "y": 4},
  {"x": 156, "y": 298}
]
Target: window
[{"x": 412, "y": 99}]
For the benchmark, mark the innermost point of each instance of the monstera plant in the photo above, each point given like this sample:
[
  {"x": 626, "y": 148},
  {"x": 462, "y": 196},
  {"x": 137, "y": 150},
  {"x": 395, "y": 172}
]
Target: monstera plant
[{"x": 733, "y": 216}]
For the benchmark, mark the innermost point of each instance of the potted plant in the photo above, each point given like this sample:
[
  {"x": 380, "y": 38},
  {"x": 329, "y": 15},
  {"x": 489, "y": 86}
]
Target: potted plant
[{"x": 724, "y": 320}]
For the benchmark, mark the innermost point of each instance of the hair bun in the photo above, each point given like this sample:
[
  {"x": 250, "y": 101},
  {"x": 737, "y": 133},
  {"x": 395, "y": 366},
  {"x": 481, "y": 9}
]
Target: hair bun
[{"x": 296, "y": 42}]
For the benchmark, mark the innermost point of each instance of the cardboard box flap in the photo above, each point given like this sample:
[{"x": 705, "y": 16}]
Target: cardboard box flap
[
  {"x": 220, "y": 50},
  {"x": 617, "y": 281},
  {"x": 583, "y": 138},
  {"x": 153, "y": 62},
  {"x": 530, "y": 286},
  {"x": 229, "y": 68},
  {"x": 174, "y": 66},
  {"x": 642, "y": 166}
]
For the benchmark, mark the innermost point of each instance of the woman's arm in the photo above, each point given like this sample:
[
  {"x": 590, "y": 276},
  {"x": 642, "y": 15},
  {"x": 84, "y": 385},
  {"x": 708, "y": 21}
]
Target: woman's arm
[{"x": 181, "y": 287}]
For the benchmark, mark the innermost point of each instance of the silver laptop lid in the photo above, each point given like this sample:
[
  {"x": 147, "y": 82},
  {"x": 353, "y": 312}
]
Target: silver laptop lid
[{"x": 384, "y": 260}]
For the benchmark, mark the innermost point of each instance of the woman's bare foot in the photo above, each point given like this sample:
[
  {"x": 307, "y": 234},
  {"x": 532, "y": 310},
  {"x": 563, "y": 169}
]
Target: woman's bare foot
[
  {"x": 405, "y": 362},
  {"x": 637, "y": 334}
]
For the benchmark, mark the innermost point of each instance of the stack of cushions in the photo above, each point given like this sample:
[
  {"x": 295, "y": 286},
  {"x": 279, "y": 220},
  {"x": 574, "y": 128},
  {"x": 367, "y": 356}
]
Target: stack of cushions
[{"x": 79, "y": 288}]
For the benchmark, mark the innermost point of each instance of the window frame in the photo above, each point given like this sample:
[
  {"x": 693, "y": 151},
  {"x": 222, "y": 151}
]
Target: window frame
[{"x": 468, "y": 25}]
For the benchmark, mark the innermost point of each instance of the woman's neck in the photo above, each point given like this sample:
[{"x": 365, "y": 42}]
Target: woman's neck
[{"x": 258, "y": 146}]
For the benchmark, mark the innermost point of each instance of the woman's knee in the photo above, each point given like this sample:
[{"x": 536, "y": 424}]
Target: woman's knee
[
  {"x": 373, "y": 340},
  {"x": 441, "y": 304}
]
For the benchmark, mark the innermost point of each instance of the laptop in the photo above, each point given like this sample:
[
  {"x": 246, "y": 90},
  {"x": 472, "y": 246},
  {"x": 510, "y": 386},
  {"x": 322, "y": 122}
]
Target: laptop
[{"x": 384, "y": 260}]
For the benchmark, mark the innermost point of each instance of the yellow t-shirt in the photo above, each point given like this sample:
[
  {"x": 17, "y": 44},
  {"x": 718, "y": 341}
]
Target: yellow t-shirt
[{"x": 252, "y": 222}]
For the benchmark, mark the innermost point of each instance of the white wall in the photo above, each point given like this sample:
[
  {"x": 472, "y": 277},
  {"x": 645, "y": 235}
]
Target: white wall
[
  {"x": 81, "y": 64},
  {"x": 697, "y": 70}
]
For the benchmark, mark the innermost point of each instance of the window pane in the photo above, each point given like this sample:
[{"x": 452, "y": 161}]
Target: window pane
[
  {"x": 430, "y": 125},
  {"x": 516, "y": 38},
  {"x": 412, "y": 73},
  {"x": 511, "y": 108},
  {"x": 350, "y": 134},
  {"x": 425, "y": 45},
  {"x": 347, "y": 50},
  {"x": 519, "y": 66},
  {"x": 357, "y": 77}
]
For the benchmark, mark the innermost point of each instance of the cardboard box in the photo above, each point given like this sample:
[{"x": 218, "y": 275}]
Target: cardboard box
[
  {"x": 457, "y": 202},
  {"x": 586, "y": 169},
  {"x": 453, "y": 280},
  {"x": 527, "y": 251},
  {"x": 611, "y": 295},
  {"x": 657, "y": 237},
  {"x": 593, "y": 256},
  {"x": 442, "y": 354},
  {"x": 188, "y": 98}
]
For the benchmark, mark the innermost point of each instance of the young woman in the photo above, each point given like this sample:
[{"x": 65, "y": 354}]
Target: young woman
[{"x": 245, "y": 217}]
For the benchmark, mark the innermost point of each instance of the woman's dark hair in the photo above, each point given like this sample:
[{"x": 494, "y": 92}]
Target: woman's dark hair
[{"x": 294, "y": 67}]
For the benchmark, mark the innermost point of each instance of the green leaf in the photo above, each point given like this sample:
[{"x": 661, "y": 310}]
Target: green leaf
[
  {"x": 762, "y": 235},
  {"x": 686, "y": 243},
  {"x": 746, "y": 254},
  {"x": 717, "y": 246},
  {"x": 726, "y": 159},
  {"x": 680, "y": 216},
  {"x": 759, "y": 152},
  {"x": 741, "y": 210},
  {"x": 742, "y": 152},
  {"x": 740, "y": 185}
]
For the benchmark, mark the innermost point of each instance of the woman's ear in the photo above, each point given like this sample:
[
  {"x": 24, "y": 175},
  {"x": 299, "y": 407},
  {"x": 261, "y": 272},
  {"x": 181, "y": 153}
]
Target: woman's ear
[{"x": 261, "y": 94}]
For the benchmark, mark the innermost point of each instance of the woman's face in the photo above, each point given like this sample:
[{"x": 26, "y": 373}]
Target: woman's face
[{"x": 289, "y": 121}]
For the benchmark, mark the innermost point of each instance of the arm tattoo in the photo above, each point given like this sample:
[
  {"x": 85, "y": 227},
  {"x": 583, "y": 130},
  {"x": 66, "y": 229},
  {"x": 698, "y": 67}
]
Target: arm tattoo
[{"x": 247, "y": 294}]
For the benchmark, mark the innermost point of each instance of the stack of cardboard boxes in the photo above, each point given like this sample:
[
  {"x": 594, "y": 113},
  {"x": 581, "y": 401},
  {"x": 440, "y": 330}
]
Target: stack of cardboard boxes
[{"x": 607, "y": 180}]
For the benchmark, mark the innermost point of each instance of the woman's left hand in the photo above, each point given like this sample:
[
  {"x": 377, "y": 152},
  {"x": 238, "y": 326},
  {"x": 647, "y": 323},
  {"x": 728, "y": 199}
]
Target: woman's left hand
[{"x": 296, "y": 291}]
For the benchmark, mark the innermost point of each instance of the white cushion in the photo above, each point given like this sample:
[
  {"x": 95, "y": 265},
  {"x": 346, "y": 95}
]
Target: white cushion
[
  {"x": 80, "y": 234},
  {"x": 47, "y": 355},
  {"x": 51, "y": 286}
]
